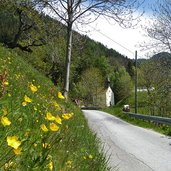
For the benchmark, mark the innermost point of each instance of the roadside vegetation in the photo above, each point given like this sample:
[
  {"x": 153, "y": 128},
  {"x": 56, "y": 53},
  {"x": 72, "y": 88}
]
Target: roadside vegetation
[
  {"x": 117, "y": 110},
  {"x": 39, "y": 130}
]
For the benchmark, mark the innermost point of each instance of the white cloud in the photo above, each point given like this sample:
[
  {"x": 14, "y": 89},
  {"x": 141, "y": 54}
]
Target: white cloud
[{"x": 125, "y": 41}]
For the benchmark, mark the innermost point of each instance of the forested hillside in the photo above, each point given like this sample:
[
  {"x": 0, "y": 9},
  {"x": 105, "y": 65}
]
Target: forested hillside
[{"x": 41, "y": 41}]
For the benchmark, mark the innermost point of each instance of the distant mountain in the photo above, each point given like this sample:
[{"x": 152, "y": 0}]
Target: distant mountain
[{"x": 162, "y": 56}]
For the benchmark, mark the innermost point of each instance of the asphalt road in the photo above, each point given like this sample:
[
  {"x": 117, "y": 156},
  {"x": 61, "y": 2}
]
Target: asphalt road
[{"x": 130, "y": 148}]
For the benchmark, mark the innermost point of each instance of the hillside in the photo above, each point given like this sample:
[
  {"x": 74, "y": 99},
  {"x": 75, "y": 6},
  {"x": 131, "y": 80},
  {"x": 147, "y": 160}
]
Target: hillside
[
  {"x": 41, "y": 41},
  {"x": 39, "y": 130},
  {"x": 162, "y": 55}
]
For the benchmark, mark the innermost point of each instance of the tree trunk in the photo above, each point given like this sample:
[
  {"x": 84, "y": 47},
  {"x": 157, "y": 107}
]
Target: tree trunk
[{"x": 68, "y": 60}]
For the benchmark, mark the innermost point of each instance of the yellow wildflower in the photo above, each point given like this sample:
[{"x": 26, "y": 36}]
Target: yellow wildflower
[
  {"x": 50, "y": 165},
  {"x": 54, "y": 127},
  {"x": 17, "y": 151},
  {"x": 24, "y": 103},
  {"x": 67, "y": 116},
  {"x": 13, "y": 141},
  {"x": 46, "y": 145},
  {"x": 33, "y": 88},
  {"x": 5, "y": 121},
  {"x": 68, "y": 163},
  {"x": 6, "y": 166},
  {"x": 27, "y": 99},
  {"x": 10, "y": 164},
  {"x": 50, "y": 117},
  {"x": 9, "y": 95},
  {"x": 6, "y": 83},
  {"x": 35, "y": 108},
  {"x": 35, "y": 145},
  {"x": 90, "y": 156},
  {"x": 44, "y": 128},
  {"x": 60, "y": 96},
  {"x": 58, "y": 120}
]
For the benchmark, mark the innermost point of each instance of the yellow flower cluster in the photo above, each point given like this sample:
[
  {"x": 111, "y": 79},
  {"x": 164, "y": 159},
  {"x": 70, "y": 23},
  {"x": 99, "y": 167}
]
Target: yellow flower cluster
[
  {"x": 14, "y": 143},
  {"x": 52, "y": 122},
  {"x": 52, "y": 125},
  {"x": 88, "y": 157},
  {"x": 6, "y": 83},
  {"x": 9, "y": 165},
  {"x": 26, "y": 100},
  {"x": 50, "y": 165},
  {"x": 67, "y": 116},
  {"x": 4, "y": 119},
  {"x": 69, "y": 163},
  {"x": 33, "y": 88},
  {"x": 46, "y": 145}
]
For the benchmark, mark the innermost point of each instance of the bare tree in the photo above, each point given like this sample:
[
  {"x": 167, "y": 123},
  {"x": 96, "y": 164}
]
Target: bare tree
[
  {"x": 159, "y": 28},
  {"x": 86, "y": 11}
]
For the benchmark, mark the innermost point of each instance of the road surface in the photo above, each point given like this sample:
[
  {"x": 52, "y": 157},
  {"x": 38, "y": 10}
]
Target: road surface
[{"x": 130, "y": 148}]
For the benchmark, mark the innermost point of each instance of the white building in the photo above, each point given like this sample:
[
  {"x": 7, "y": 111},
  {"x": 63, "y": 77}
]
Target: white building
[
  {"x": 104, "y": 98},
  {"x": 110, "y": 101}
]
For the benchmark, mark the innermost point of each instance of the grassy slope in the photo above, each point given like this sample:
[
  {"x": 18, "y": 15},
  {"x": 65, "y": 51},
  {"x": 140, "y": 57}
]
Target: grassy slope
[
  {"x": 72, "y": 147},
  {"x": 142, "y": 109}
]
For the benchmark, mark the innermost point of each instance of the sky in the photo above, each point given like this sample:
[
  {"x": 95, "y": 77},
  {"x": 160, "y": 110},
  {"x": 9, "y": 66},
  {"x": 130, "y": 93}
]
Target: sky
[{"x": 125, "y": 41}]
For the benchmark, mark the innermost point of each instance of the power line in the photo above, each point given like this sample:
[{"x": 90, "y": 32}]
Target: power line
[{"x": 113, "y": 40}]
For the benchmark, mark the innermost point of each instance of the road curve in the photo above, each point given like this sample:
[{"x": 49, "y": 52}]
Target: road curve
[{"x": 130, "y": 148}]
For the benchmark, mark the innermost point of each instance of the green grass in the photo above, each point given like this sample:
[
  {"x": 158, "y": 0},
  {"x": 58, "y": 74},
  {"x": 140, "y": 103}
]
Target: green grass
[{"x": 71, "y": 147}]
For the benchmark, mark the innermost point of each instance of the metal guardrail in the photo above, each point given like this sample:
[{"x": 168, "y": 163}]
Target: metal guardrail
[{"x": 157, "y": 119}]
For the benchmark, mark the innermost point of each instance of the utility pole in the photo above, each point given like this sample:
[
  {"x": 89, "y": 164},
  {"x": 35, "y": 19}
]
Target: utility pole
[{"x": 136, "y": 84}]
